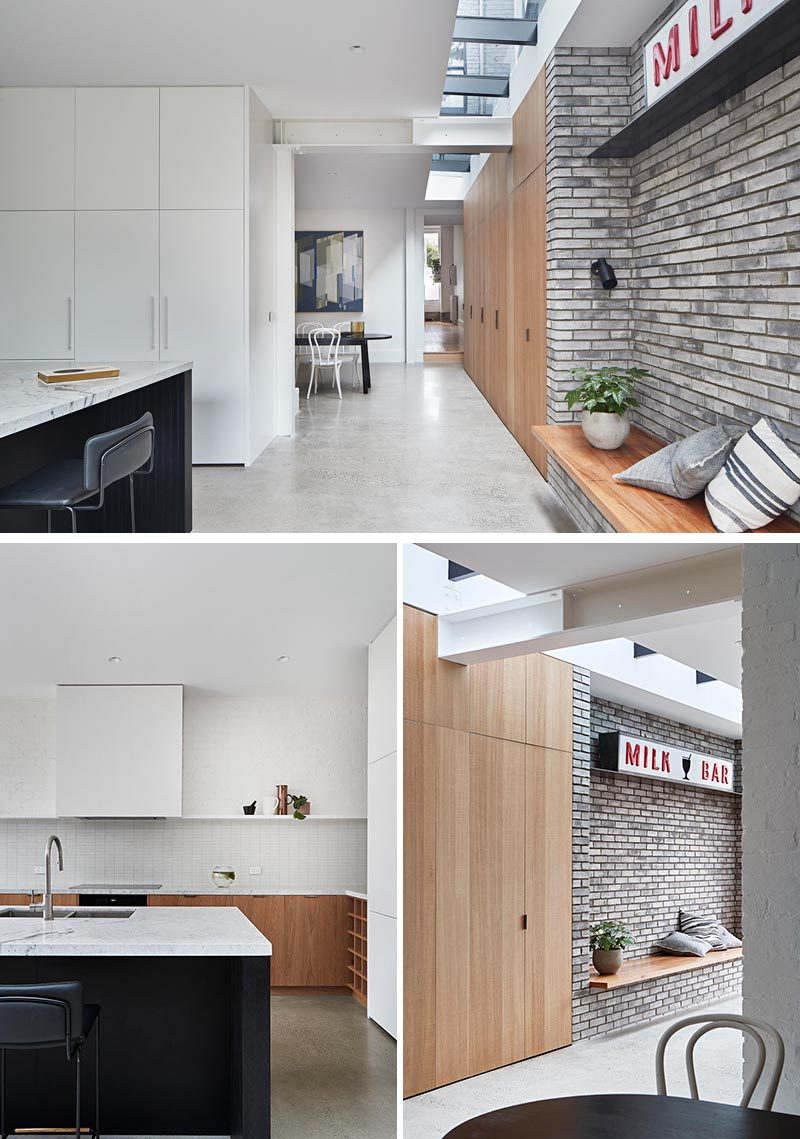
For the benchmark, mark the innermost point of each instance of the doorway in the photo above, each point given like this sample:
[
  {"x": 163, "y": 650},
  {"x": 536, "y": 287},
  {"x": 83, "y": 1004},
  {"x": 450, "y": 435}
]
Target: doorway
[{"x": 444, "y": 272}]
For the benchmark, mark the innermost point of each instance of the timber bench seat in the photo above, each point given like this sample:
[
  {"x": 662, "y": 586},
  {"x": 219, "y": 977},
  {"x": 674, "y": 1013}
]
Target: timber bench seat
[
  {"x": 653, "y": 968},
  {"x": 629, "y": 509}
]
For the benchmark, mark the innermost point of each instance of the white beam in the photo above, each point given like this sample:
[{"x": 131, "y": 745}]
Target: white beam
[{"x": 464, "y": 135}]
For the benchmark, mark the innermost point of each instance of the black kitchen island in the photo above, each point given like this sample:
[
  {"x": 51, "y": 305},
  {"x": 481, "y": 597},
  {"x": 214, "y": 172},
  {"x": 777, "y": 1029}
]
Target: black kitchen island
[
  {"x": 41, "y": 424},
  {"x": 184, "y": 1026}
]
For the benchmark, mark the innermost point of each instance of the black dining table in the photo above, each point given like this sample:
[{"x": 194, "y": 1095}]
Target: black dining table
[
  {"x": 627, "y": 1117},
  {"x": 349, "y": 340}
]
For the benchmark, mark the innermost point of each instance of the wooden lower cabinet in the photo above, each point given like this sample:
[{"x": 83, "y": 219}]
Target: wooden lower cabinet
[
  {"x": 16, "y": 899},
  {"x": 308, "y": 933},
  {"x": 25, "y": 899}
]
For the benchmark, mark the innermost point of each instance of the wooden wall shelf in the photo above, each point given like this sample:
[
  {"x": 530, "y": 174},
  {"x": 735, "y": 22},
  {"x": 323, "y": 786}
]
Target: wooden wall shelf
[
  {"x": 653, "y": 968},
  {"x": 771, "y": 44},
  {"x": 357, "y": 949}
]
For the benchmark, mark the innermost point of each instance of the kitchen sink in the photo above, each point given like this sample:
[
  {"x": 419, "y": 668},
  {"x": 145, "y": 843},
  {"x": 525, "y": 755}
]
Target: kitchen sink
[{"x": 60, "y": 912}]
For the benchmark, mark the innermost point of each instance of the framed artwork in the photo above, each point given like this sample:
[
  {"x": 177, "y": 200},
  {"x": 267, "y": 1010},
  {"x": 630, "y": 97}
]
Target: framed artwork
[{"x": 329, "y": 271}]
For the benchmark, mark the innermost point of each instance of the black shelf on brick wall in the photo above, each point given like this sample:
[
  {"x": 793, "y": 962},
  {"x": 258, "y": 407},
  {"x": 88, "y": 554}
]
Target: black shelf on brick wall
[{"x": 772, "y": 43}]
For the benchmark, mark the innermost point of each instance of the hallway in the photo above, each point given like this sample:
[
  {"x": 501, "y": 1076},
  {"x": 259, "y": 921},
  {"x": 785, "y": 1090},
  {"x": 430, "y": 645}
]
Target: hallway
[
  {"x": 443, "y": 336},
  {"x": 422, "y": 453}
]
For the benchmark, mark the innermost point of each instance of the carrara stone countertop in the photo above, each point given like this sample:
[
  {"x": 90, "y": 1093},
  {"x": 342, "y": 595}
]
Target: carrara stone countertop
[
  {"x": 26, "y": 402},
  {"x": 159, "y": 932}
]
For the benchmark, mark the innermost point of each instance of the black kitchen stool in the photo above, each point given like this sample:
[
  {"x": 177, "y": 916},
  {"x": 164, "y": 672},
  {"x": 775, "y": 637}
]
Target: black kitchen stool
[
  {"x": 67, "y": 485},
  {"x": 49, "y": 1016}
]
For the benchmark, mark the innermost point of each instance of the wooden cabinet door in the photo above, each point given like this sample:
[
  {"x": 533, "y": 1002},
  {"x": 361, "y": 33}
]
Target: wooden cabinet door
[
  {"x": 497, "y": 698},
  {"x": 434, "y": 691},
  {"x": 36, "y": 307},
  {"x": 529, "y": 336},
  {"x": 268, "y": 916},
  {"x": 17, "y": 899},
  {"x": 548, "y": 940},
  {"x": 190, "y": 900},
  {"x": 549, "y": 703},
  {"x": 497, "y": 903},
  {"x": 315, "y": 940},
  {"x": 530, "y": 132}
]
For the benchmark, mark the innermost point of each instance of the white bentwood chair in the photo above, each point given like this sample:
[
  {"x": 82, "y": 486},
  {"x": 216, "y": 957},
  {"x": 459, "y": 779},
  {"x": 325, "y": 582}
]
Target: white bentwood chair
[
  {"x": 351, "y": 352},
  {"x": 324, "y": 344},
  {"x": 759, "y": 1031},
  {"x": 303, "y": 353}
]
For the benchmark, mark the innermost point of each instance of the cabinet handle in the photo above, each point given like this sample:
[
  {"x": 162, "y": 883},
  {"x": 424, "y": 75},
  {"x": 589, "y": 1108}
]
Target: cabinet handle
[
  {"x": 524, "y": 921},
  {"x": 166, "y": 323},
  {"x": 527, "y": 335},
  {"x": 481, "y": 316},
  {"x": 470, "y": 312},
  {"x": 152, "y": 324},
  {"x": 497, "y": 320},
  {"x": 69, "y": 324}
]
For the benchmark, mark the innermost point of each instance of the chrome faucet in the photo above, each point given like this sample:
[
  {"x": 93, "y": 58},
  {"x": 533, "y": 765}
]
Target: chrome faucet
[{"x": 52, "y": 841}]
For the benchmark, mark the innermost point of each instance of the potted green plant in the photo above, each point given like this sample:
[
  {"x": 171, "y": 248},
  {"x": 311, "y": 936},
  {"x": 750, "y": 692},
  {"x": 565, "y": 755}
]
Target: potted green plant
[
  {"x": 607, "y": 939},
  {"x": 606, "y": 395},
  {"x": 301, "y": 806},
  {"x": 434, "y": 262}
]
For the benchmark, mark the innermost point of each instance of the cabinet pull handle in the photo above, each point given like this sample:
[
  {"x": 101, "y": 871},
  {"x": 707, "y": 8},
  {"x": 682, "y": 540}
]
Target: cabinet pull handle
[
  {"x": 69, "y": 324},
  {"x": 166, "y": 323},
  {"x": 524, "y": 921},
  {"x": 152, "y": 324},
  {"x": 497, "y": 320},
  {"x": 470, "y": 312},
  {"x": 527, "y": 335},
  {"x": 481, "y": 316}
]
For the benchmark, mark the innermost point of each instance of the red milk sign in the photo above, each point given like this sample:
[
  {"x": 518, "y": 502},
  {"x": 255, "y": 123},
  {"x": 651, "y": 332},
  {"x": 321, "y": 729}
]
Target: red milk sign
[
  {"x": 634, "y": 756},
  {"x": 694, "y": 35}
]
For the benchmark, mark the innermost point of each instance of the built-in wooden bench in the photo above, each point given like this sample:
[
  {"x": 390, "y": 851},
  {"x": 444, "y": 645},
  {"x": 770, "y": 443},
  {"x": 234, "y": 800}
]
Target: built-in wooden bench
[
  {"x": 639, "y": 969},
  {"x": 629, "y": 509}
]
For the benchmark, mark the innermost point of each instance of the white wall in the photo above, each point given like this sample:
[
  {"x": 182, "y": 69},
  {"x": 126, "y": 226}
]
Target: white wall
[
  {"x": 382, "y": 831},
  {"x": 458, "y": 261},
  {"x": 260, "y": 281},
  {"x": 27, "y": 757},
  {"x": 384, "y": 272},
  {"x": 771, "y": 800}
]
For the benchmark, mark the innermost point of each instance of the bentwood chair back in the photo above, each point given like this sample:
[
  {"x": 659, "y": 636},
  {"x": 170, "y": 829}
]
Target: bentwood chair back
[
  {"x": 325, "y": 344},
  {"x": 34, "y": 1017},
  {"x": 760, "y": 1033},
  {"x": 304, "y": 352},
  {"x": 350, "y": 352}
]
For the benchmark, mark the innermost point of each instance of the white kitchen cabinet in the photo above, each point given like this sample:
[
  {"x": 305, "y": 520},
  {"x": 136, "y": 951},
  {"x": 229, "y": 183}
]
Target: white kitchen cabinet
[
  {"x": 203, "y": 320},
  {"x": 382, "y": 835},
  {"x": 116, "y": 148},
  {"x": 119, "y": 751},
  {"x": 202, "y": 148},
  {"x": 37, "y": 148},
  {"x": 116, "y": 285},
  {"x": 382, "y": 716},
  {"x": 37, "y": 285},
  {"x": 382, "y": 972}
]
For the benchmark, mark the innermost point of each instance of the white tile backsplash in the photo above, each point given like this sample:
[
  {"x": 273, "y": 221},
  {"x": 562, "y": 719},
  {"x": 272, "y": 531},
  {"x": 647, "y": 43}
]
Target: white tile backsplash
[{"x": 180, "y": 854}]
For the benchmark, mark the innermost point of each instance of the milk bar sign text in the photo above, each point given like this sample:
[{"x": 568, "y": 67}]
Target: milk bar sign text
[
  {"x": 694, "y": 35},
  {"x": 633, "y": 756}
]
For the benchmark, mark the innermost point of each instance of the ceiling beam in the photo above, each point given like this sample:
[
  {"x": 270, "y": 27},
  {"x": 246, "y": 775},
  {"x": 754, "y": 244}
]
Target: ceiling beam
[
  {"x": 483, "y": 30},
  {"x": 487, "y": 86}
]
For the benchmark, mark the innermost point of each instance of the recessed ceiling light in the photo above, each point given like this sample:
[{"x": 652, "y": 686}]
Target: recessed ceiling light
[
  {"x": 357, "y": 49},
  {"x": 115, "y": 660},
  {"x": 282, "y": 660}
]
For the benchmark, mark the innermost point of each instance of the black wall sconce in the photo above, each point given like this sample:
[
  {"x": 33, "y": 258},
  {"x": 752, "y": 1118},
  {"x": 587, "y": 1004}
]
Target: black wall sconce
[{"x": 602, "y": 269}]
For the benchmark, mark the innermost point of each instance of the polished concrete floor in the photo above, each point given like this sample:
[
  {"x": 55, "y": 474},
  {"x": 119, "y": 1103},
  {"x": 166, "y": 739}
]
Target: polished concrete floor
[
  {"x": 422, "y": 454},
  {"x": 621, "y": 1062},
  {"x": 333, "y": 1071}
]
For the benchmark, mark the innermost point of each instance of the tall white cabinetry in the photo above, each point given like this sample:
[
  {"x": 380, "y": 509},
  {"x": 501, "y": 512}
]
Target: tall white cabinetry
[
  {"x": 382, "y": 831},
  {"x": 125, "y": 216}
]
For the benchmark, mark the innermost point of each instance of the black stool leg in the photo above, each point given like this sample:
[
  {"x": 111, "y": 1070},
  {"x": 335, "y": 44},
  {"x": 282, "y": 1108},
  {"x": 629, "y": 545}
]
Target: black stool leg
[
  {"x": 49, "y": 521},
  {"x": 74, "y": 518},
  {"x": 133, "y": 510},
  {"x": 2, "y": 1093},
  {"x": 78, "y": 1092},
  {"x": 97, "y": 1077}
]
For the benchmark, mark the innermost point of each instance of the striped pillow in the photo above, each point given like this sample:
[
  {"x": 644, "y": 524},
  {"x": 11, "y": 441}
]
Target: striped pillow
[
  {"x": 706, "y": 927},
  {"x": 760, "y": 481}
]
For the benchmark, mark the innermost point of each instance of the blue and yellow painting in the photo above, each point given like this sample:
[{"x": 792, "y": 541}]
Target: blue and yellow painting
[{"x": 329, "y": 271}]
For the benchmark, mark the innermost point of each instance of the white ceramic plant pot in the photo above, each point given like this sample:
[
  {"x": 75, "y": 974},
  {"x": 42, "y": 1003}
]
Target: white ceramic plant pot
[{"x": 605, "y": 430}]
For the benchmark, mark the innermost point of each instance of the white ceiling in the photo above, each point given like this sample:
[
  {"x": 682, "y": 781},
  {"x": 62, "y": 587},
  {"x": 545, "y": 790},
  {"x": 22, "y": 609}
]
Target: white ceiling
[
  {"x": 296, "y": 52},
  {"x": 211, "y": 616},
  {"x": 534, "y": 568},
  {"x": 717, "y": 653},
  {"x": 611, "y": 23},
  {"x": 385, "y": 181}
]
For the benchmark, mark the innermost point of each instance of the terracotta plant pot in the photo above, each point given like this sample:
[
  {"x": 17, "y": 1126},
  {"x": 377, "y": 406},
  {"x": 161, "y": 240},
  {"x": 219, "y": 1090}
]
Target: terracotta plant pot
[
  {"x": 604, "y": 430},
  {"x": 607, "y": 961}
]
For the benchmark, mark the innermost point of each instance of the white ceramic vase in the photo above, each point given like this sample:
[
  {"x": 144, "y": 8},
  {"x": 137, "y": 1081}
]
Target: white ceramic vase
[{"x": 605, "y": 430}]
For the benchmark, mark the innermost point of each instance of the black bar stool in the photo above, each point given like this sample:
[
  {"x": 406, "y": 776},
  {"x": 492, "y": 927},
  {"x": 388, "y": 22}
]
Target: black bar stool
[
  {"x": 49, "y": 1016},
  {"x": 66, "y": 485}
]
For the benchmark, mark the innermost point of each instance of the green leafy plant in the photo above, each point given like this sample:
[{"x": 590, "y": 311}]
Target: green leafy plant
[
  {"x": 298, "y": 801},
  {"x": 610, "y": 935},
  {"x": 608, "y": 390},
  {"x": 434, "y": 262}
]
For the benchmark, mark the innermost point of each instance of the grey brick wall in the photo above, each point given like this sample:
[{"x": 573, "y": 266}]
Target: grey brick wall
[
  {"x": 652, "y": 847},
  {"x": 584, "y": 512},
  {"x": 703, "y": 231}
]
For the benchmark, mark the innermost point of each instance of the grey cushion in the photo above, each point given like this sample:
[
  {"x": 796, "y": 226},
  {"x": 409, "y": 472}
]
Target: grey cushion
[
  {"x": 685, "y": 468},
  {"x": 683, "y": 945},
  {"x": 704, "y": 926},
  {"x": 759, "y": 482},
  {"x": 729, "y": 940}
]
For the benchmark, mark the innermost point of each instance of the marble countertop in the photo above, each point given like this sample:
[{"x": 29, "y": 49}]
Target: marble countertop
[
  {"x": 25, "y": 402},
  {"x": 158, "y": 932},
  {"x": 187, "y": 892}
]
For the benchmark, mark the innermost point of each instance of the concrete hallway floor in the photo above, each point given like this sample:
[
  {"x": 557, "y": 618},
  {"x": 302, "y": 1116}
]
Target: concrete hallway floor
[
  {"x": 618, "y": 1062},
  {"x": 423, "y": 453},
  {"x": 333, "y": 1071}
]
